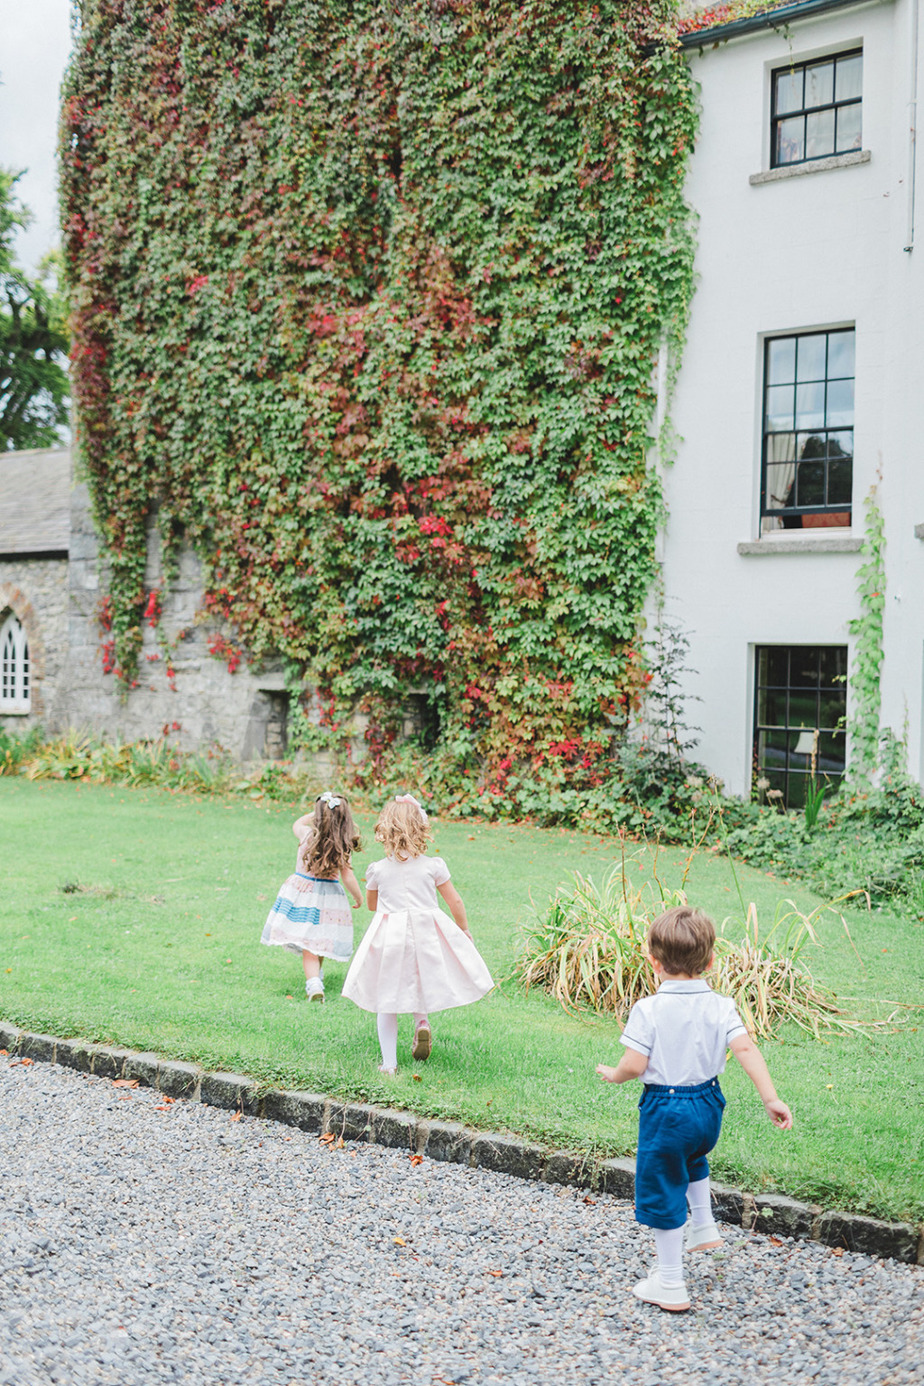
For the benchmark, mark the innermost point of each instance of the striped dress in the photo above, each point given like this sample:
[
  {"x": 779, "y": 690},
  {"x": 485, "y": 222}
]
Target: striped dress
[{"x": 311, "y": 913}]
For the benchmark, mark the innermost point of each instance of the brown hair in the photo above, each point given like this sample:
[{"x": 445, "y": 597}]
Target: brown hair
[
  {"x": 331, "y": 838},
  {"x": 402, "y": 830},
  {"x": 682, "y": 940}
]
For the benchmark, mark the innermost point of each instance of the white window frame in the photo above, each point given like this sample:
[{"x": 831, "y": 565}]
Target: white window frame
[{"x": 15, "y": 668}]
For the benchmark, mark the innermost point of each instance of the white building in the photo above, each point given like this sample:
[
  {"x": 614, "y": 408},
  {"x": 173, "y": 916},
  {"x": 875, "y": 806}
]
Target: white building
[{"x": 802, "y": 385}]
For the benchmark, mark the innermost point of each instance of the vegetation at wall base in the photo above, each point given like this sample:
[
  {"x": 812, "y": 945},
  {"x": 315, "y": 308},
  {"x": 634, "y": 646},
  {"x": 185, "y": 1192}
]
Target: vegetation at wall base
[{"x": 368, "y": 303}]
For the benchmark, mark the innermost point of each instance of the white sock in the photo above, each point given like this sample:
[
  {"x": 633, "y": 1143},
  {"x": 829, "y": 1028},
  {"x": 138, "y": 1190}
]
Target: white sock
[
  {"x": 700, "y": 1201},
  {"x": 387, "y": 1023},
  {"x": 669, "y": 1243}
]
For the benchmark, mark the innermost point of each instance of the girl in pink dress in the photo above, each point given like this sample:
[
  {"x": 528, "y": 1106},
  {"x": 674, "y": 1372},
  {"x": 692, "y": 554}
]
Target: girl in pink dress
[{"x": 413, "y": 956}]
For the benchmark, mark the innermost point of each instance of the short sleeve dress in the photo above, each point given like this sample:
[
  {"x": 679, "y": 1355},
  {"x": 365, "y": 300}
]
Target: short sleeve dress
[
  {"x": 413, "y": 957},
  {"x": 311, "y": 913}
]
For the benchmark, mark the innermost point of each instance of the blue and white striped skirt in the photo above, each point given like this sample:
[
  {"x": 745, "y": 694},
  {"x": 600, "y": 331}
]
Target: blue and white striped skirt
[{"x": 311, "y": 914}]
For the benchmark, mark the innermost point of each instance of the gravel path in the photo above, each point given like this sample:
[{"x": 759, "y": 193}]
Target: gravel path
[{"x": 144, "y": 1242}]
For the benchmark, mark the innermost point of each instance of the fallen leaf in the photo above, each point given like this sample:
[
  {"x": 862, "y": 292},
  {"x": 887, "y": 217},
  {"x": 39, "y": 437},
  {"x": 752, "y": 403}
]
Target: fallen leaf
[
  {"x": 591, "y": 1201},
  {"x": 839, "y": 1250},
  {"x": 775, "y": 1241},
  {"x": 161, "y": 1109},
  {"x": 327, "y": 1138},
  {"x": 125, "y": 1097},
  {"x": 4, "y": 1052},
  {"x": 399, "y": 1241},
  {"x": 236, "y": 1116},
  {"x": 417, "y": 1078},
  {"x": 339, "y": 1142},
  {"x": 27, "y": 1063},
  {"x": 416, "y": 1159},
  {"x": 125, "y": 1083},
  {"x": 497, "y": 1274}
]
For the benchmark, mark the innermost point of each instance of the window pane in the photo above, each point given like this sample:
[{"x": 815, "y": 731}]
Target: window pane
[
  {"x": 788, "y": 90},
  {"x": 790, "y": 142},
  {"x": 841, "y": 353},
  {"x": 819, "y": 134},
  {"x": 819, "y": 85},
  {"x": 773, "y": 748},
  {"x": 840, "y": 444},
  {"x": 849, "y": 131},
  {"x": 773, "y": 666},
  {"x": 832, "y": 707},
  {"x": 771, "y": 708},
  {"x": 810, "y": 405},
  {"x": 810, "y": 484},
  {"x": 831, "y": 752},
  {"x": 832, "y": 666},
  {"x": 849, "y": 82},
  {"x": 780, "y": 405},
  {"x": 779, "y": 486},
  {"x": 840, "y": 403},
  {"x": 798, "y": 787},
  {"x": 840, "y": 483},
  {"x": 811, "y": 357},
  {"x": 812, "y": 446},
  {"x": 803, "y": 673},
  {"x": 781, "y": 361}
]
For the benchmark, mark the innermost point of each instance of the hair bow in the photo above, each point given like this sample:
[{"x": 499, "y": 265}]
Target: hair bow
[
  {"x": 409, "y": 799},
  {"x": 329, "y": 799}
]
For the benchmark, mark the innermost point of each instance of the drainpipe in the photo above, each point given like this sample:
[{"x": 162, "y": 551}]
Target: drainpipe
[{"x": 912, "y": 122}]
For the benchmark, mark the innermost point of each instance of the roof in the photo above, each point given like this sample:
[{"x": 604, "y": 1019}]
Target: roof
[
  {"x": 729, "y": 18},
  {"x": 35, "y": 503}
]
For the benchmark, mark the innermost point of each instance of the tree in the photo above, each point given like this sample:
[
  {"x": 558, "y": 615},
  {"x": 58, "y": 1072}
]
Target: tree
[{"x": 34, "y": 388}]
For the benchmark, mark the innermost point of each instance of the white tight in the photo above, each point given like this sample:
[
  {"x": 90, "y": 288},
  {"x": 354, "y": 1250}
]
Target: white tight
[
  {"x": 669, "y": 1241},
  {"x": 387, "y": 1025}
]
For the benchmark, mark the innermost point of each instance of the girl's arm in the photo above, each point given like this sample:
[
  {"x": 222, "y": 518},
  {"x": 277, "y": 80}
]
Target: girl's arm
[
  {"x": 754, "y": 1065},
  {"x": 301, "y": 825},
  {"x": 456, "y": 908},
  {"x": 631, "y": 1065},
  {"x": 351, "y": 885},
  {"x": 372, "y": 899}
]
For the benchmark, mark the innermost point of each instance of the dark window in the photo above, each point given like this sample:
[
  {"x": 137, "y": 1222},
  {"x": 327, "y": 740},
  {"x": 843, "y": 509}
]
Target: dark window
[
  {"x": 816, "y": 109},
  {"x": 800, "y": 707},
  {"x": 807, "y": 479}
]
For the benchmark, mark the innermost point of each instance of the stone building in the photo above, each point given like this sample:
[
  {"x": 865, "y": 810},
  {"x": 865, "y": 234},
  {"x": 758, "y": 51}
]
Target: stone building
[{"x": 52, "y": 640}]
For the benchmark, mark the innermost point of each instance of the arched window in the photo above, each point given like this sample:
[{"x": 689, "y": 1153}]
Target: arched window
[{"x": 14, "y": 667}]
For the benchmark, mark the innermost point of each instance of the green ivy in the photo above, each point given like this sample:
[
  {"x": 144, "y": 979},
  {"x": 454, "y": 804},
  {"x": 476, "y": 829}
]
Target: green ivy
[
  {"x": 368, "y": 301},
  {"x": 866, "y": 674}
]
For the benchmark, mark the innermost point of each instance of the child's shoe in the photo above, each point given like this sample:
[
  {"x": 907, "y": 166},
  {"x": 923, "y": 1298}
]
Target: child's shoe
[
  {"x": 314, "y": 989},
  {"x": 673, "y": 1298},
  {"x": 706, "y": 1237},
  {"x": 423, "y": 1041},
  {"x": 388, "y": 1072}
]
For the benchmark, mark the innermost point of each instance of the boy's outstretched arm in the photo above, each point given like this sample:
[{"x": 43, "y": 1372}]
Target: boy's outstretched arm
[
  {"x": 631, "y": 1065},
  {"x": 754, "y": 1065}
]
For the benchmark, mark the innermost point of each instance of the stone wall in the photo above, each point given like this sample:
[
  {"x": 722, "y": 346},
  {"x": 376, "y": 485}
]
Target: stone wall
[
  {"x": 35, "y": 590},
  {"x": 201, "y": 705}
]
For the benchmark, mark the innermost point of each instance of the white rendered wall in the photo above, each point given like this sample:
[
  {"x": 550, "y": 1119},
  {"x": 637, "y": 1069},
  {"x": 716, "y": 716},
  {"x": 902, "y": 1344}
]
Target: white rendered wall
[{"x": 816, "y": 250}]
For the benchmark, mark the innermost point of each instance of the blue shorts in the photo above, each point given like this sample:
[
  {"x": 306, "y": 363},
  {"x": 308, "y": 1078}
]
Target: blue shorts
[{"x": 677, "y": 1127}]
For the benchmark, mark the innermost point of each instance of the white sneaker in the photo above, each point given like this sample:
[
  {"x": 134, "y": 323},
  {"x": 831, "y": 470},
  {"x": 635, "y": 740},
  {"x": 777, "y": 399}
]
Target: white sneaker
[
  {"x": 673, "y": 1298},
  {"x": 706, "y": 1237},
  {"x": 314, "y": 989}
]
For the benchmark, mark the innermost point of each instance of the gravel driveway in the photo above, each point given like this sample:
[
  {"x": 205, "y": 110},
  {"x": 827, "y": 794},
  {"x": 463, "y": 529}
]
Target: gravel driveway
[{"x": 144, "y": 1241}]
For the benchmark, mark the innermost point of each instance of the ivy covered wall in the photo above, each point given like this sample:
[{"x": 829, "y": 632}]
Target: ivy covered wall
[{"x": 368, "y": 299}]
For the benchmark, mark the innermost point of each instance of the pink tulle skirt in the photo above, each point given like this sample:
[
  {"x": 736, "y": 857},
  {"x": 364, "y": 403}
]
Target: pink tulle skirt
[{"x": 416, "y": 960}]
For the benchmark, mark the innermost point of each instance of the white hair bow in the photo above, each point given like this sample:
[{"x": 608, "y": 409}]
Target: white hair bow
[
  {"x": 409, "y": 799},
  {"x": 328, "y": 799}
]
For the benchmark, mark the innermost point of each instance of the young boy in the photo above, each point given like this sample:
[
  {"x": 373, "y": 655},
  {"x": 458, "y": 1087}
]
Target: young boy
[{"x": 676, "y": 1042}]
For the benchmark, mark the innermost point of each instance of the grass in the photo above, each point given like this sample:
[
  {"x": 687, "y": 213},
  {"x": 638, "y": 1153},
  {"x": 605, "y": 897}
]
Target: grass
[{"x": 133, "y": 916}]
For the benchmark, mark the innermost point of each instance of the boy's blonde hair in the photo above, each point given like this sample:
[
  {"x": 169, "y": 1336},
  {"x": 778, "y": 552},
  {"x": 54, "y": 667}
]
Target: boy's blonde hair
[
  {"x": 682, "y": 940},
  {"x": 403, "y": 830}
]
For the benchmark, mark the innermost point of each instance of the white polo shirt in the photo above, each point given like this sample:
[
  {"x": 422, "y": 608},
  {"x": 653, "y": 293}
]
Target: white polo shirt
[{"x": 685, "y": 1030}]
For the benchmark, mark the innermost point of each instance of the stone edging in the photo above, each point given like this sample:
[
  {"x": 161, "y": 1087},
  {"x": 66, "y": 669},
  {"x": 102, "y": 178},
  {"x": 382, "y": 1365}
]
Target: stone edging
[{"x": 458, "y": 1144}]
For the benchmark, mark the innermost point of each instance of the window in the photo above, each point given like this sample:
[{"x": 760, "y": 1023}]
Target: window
[
  {"x": 799, "y": 713},
  {"x": 807, "y": 475},
  {"x": 816, "y": 109},
  {"x": 14, "y": 667}
]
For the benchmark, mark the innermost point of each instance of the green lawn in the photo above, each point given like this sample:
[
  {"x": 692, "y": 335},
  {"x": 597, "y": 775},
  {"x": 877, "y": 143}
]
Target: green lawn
[{"x": 160, "y": 950}]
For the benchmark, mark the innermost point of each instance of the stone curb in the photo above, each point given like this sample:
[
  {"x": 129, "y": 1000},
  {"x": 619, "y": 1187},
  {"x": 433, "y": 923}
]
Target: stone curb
[{"x": 449, "y": 1141}]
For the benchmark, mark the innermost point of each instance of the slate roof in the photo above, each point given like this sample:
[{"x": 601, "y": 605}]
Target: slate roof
[{"x": 35, "y": 502}]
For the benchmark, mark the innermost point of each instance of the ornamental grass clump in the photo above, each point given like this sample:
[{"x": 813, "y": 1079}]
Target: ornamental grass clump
[{"x": 589, "y": 948}]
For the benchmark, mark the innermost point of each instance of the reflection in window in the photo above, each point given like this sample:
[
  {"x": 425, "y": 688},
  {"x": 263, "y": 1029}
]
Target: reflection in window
[
  {"x": 816, "y": 109},
  {"x": 807, "y": 473},
  {"x": 799, "y": 714},
  {"x": 14, "y": 667}
]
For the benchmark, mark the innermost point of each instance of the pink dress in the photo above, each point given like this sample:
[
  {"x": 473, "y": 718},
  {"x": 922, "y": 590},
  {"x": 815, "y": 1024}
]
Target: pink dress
[{"x": 413, "y": 956}]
